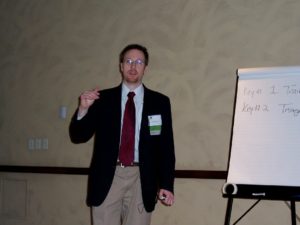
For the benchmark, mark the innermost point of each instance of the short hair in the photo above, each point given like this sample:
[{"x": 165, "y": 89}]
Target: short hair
[{"x": 134, "y": 46}]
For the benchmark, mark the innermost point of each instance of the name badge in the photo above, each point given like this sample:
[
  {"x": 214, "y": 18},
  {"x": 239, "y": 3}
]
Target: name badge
[{"x": 154, "y": 122}]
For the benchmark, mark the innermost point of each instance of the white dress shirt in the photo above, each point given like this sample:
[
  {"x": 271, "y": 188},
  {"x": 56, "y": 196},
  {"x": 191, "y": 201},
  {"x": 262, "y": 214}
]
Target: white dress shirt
[{"x": 138, "y": 102}]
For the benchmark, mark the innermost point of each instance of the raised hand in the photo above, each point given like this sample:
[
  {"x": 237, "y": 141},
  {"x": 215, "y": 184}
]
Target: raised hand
[{"x": 86, "y": 99}]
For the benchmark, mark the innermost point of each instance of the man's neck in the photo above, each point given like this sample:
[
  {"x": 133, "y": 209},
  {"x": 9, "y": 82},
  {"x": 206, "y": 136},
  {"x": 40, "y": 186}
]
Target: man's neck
[{"x": 131, "y": 86}]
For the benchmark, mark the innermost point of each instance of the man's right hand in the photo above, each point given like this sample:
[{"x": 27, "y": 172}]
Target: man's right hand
[{"x": 86, "y": 99}]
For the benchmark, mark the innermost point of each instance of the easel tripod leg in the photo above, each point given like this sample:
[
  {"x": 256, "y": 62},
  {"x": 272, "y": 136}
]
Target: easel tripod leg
[
  {"x": 228, "y": 211},
  {"x": 293, "y": 212}
]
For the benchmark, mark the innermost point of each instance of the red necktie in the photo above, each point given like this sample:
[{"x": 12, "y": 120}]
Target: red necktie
[{"x": 126, "y": 154}]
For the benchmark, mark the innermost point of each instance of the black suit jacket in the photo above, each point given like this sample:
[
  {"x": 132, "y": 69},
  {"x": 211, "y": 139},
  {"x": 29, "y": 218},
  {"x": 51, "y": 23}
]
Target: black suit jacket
[{"x": 156, "y": 152}]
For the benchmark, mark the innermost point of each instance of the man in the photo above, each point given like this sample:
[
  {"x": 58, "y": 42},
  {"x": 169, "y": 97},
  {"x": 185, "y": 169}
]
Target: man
[{"x": 133, "y": 161}]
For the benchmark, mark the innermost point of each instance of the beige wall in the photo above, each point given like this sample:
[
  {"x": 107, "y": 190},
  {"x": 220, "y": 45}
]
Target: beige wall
[{"x": 50, "y": 51}]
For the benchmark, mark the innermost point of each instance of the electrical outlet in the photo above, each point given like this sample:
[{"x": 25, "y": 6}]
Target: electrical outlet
[
  {"x": 38, "y": 143},
  {"x": 31, "y": 145},
  {"x": 45, "y": 143}
]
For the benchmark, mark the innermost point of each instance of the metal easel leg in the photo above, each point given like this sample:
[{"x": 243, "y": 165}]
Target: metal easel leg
[
  {"x": 293, "y": 212},
  {"x": 228, "y": 211}
]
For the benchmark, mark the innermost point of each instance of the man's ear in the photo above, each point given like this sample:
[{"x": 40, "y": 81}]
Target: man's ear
[
  {"x": 145, "y": 69},
  {"x": 121, "y": 67}
]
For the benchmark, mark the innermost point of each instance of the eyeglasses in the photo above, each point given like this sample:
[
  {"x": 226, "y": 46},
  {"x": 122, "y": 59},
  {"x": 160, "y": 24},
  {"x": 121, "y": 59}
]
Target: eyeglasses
[{"x": 130, "y": 62}]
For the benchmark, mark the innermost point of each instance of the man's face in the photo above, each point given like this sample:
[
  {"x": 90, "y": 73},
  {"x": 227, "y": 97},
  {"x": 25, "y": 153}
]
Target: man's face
[{"x": 133, "y": 67}]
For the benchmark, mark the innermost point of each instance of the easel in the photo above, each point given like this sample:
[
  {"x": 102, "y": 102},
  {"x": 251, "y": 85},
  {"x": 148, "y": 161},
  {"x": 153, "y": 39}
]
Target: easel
[
  {"x": 229, "y": 209},
  {"x": 257, "y": 119}
]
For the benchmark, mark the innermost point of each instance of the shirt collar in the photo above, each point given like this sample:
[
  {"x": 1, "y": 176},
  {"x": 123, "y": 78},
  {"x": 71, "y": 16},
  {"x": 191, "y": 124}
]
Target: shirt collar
[{"x": 139, "y": 91}]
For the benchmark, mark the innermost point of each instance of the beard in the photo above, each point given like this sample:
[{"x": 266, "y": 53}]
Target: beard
[{"x": 132, "y": 77}]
